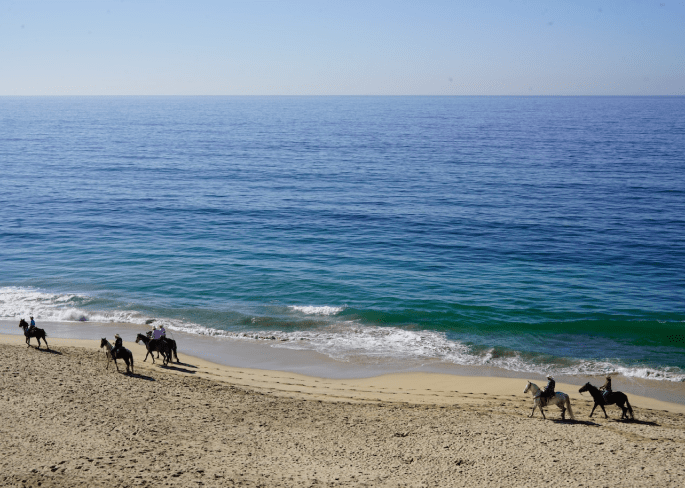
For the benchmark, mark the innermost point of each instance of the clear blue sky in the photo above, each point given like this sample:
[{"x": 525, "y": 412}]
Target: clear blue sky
[{"x": 508, "y": 47}]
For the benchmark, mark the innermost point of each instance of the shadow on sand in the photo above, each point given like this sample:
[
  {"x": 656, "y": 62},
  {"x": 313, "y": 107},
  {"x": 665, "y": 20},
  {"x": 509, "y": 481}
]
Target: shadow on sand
[
  {"x": 186, "y": 365},
  {"x": 139, "y": 376},
  {"x": 181, "y": 370},
  {"x": 639, "y": 422},
  {"x": 51, "y": 351},
  {"x": 576, "y": 422}
]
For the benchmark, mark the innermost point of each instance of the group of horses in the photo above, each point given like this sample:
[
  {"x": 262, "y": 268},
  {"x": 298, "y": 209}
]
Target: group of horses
[
  {"x": 167, "y": 347},
  {"x": 563, "y": 401},
  {"x": 164, "y": 346}
]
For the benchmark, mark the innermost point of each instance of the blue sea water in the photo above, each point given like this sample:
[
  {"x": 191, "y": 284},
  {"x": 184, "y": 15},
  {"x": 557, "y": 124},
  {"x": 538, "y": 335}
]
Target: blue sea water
[{"x": 534, "y": 234}]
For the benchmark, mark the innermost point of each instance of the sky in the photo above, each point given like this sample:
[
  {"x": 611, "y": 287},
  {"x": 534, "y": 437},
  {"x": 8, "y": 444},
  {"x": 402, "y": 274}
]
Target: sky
[{"x": 251, "y": 47}]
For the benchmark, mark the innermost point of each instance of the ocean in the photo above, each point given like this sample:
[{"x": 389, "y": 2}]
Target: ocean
[{"x": 535, "y": 234}]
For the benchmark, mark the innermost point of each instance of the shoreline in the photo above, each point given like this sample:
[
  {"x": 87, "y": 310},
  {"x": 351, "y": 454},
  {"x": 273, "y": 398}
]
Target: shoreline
[
  {"x": 416, "y": 387},
  {"x": 266, "y": 355}
]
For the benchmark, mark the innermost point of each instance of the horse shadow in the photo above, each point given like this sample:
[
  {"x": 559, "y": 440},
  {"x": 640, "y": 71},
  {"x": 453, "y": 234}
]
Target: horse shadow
[
  {"x": 51, "y": 351},
  {"x": 139, "y": 376},
  {"x": 186, "y": 365},
  {"x": 180, "y": 370},
  {"x": 634, "y": 421},
  {"x": 589, "y": 423}
]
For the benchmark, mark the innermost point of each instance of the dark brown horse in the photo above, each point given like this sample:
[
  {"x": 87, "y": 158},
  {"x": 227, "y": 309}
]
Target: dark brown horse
[
  {"x": 615, "y": 397},
  {"x": 158, "y": 345},
  {"x": 170, "y": 341},
  {"x": 35, "y": 332}
]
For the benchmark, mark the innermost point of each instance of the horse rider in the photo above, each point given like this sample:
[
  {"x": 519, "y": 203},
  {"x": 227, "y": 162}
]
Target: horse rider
[
  {"x": 33, "y": 324},
  {"x": 606, "y": 389},
  {"x": 157, "y": 333},
  {"x": 548, "y": 392},
  {"x": 118, "y": 344}
]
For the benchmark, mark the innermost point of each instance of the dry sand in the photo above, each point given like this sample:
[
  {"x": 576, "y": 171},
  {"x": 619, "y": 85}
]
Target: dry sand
[{"x": 65, "y": 420}]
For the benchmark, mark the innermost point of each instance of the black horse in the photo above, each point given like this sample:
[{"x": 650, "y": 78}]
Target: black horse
[
  {"x": 155, "y": 345},
  {"x": 122, "y": 353},
  {"x": 35, "y": 332},
  {"x": 171, "y": 342},
  {"x": 615, "y": 397},
  {"x": 172, "y": 345}
]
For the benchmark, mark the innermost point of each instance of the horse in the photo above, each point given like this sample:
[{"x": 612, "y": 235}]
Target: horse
[
  {"x": 35, "y": 332},
  {"x": 155, "y": 345},
  {"x": 615, "y": 397},
  {"x": 559, "y": 399},
  {"x": 123, "y": 353},
  {"x": 170, "y": 341},
  {"x": 172, "y": 345}
]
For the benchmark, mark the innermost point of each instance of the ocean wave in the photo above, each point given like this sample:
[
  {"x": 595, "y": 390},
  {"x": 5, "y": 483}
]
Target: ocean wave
[
  {"x": 349, "y": 340},
  {"x": 343, "y": 340}
]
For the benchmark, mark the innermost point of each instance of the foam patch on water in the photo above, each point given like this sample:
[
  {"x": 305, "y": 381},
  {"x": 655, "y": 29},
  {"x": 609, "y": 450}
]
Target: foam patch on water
[{"x": 313, "y": 310}]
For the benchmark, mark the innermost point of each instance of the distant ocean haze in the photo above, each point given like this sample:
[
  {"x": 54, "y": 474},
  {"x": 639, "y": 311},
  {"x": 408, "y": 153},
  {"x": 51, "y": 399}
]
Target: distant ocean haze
[{"x": 536, "y": 234}]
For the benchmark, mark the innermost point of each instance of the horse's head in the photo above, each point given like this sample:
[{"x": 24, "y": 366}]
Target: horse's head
[
  {"x": 584, "y": 388},
  {"x": 23, "y": 323},
  {"x": 103, "y": 342},
  {"x": 525, "y": 390},
  {"x": 140, "y": 337}
]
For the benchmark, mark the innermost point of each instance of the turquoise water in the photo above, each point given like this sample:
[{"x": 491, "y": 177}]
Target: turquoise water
[{"x": 533, "y": 234}]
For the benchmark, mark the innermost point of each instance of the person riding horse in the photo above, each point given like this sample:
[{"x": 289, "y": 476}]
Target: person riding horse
[
  {"x": 548, "y": 392},
  {"x": 118, "y": 344},
  {"x": 606, "y": 389},
  {"x": 33, "y": 324}
]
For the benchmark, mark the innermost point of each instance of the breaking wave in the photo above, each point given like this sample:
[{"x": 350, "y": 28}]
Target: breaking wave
[{"x": 340, "y": 339}]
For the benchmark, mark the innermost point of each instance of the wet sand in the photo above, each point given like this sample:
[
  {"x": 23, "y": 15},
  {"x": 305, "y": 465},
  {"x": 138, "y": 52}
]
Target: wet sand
[{"x": 68, "y": 421}]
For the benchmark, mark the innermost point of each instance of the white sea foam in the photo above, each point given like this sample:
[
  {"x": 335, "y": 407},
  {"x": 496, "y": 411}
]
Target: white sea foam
[
  {"x": 348, "y": 340},
  {"x": 313, "y": 310},
  {"x": 341, "y": 340}
]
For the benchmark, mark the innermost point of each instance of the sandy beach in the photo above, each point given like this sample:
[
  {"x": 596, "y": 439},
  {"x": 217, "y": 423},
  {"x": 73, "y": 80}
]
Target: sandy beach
[{"x": 69, "y": 421}]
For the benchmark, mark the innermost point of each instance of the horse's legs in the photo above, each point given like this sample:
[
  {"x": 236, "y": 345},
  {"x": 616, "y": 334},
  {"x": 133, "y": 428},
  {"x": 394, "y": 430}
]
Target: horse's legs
[
  {"x": 542, "y": 412},
  {"x": 116, "y": 364},
  {"x": 605, "y": 412},
  {"x": 563, "y": 413},
  {"x": 593, "y": 409},
  {"x": 534, "y": 407}
]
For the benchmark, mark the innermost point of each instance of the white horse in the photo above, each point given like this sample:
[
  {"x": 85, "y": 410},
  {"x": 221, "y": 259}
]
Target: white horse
[{"x": 559, "y": 399}]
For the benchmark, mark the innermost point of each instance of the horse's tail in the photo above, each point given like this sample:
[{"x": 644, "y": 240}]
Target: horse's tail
[
  {"x": 630, "y": 409},
  {"x": 568, "y": 405}
]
